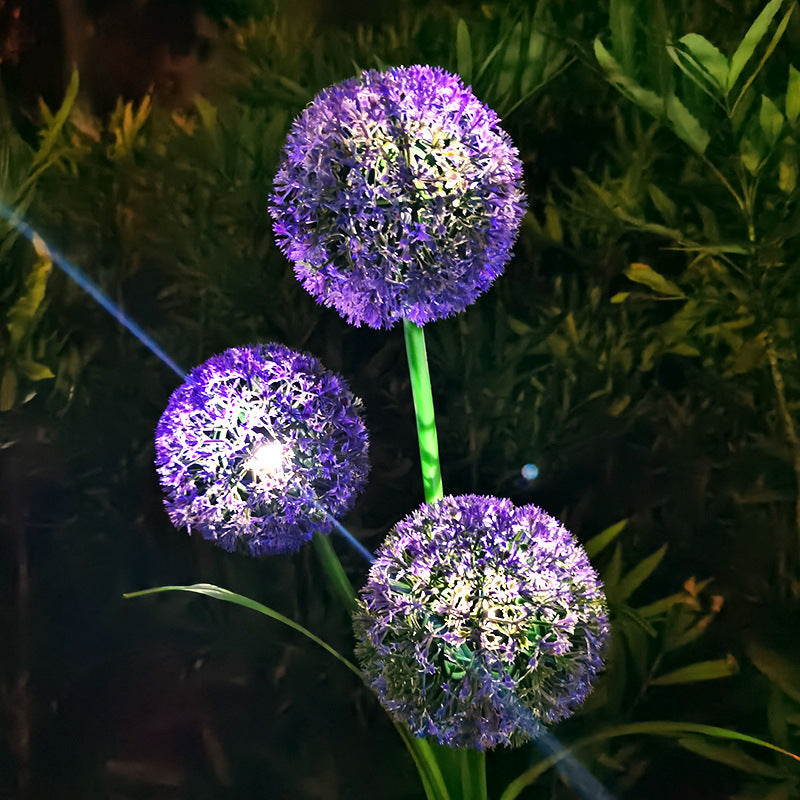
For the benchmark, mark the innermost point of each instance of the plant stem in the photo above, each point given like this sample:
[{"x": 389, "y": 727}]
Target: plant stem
[
  {"x": 473, "y": 775},
  {"x": 423, "y": 407},
  {"x": 468, "y": 769},
  {"x": 789, "y": 427},
  {"x": 339, "y": 581}
]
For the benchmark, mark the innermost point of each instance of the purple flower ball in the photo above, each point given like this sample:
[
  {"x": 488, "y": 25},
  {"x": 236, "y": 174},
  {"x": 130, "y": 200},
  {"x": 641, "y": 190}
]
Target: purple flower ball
[
  {"x": 480, "y": 621},
  {"x": 256, "y": 445},
  {"x": 398, "y": 196}
]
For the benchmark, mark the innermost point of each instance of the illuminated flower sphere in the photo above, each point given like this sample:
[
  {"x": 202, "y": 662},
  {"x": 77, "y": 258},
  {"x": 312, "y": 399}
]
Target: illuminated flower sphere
[
  {"x": 480, "y": 621},
  {"x": 398, "y": 197},
  {"x": 256, "y": 445}
]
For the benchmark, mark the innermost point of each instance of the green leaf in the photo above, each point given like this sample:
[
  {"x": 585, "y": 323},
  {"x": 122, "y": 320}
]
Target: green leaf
[
  {"x": 657, "y": 59},
  {"x": 207, "y": 111},
  {"x": 620, "y": 297},
  {"x": 622, "y": 21},
  {"x": 619, "y": 405},
  {"x": 776, "y": 37},
  {"x": 510, "y": 63},
  {"x": 681, "y": 632},
  {"x": 793, "y": 96},
  {"x": 633, "y": 615},
  {"x": 750, "y": 41},
  {"x": 495, "y": 50},
  {"x": 639, "y": 574},
  {"x": 710, "y": 227},
  {"x": 787, "y": 170},
  {"x": 552, "y": 223},
  {"x": 667, "y": 728},
  {"x": 778, "y": 669},
  {"x": 420, "y": 750},
  {"x": 23, "y": 313},
  {"x": 616, "y": 682},
  {"x": 636, "y": 645},
  {"x": 598, "y": 543},
  {"x": 683, "y": 349},
  {"x": 519, "y": 327},
  {"x": 644, "y": 274},
  {"x": 35, "y": 371},
  {"x": 209, "y": 590},
  {"x": 731, "y": 755},
  {"x": 751, "y": 156},
  {"x": 644, "y": 98},
  {"x": 8, "y": 390},
  {"x": 771, "y": 120},
  {"x": 686, "y": 125},
  {"x": 53, "y": 130},
  {"x": 750, "y": 356},
  {"x": 463, "y": 52},
  {"x": 426, "y": 763},
  {"x": 701, "y": 671},
  {"x": 612, "y": 572},
  {"x": 708, "y": 57},
  {"x": 665, "y": 206},
  {"x": 535, "y": 63},
  {"x": 659, "y": 607}
]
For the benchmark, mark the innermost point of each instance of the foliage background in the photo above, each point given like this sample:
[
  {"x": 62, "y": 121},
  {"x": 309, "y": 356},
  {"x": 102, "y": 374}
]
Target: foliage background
[{"x": 627, "y": 414}]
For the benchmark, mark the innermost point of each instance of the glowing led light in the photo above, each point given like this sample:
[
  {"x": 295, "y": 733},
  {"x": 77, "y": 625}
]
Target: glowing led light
[
  {"x": 267, "y": 461},
  {"x": 530, "y": 472}
]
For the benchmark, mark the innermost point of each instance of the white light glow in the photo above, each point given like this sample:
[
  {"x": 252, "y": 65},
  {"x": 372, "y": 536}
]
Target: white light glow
[{"x": 267, "y": 460}]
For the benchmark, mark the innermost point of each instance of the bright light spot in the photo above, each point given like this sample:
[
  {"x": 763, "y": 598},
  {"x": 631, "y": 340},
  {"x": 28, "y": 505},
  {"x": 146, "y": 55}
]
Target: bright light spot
[
  {"x": 267, "y": 460},
  {"x": 530, "y": 472}
]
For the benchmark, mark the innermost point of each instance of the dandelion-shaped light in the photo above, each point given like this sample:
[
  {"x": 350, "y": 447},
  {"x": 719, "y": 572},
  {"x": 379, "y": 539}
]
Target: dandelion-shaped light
[
  {"x": 398, "y": 197},
  {"x": 479, "y": 621},
  {"x": 256, "y": 445}
]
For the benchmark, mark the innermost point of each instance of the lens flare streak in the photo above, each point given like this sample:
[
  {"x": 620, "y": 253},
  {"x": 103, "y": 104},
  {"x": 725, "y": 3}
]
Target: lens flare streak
[{"x": 83, "y": 280}]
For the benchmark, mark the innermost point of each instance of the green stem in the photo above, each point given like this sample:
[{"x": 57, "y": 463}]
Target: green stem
[
  {"x": 423, "y": 406},
  {"x": 467, "y": 769},
  {"x": 790, "y": 430},
  {"x": 334, "y": 570},
  {"x": 473, "y": 775}
]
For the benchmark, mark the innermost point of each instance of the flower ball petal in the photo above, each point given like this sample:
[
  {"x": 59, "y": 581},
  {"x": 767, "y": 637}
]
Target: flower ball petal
[
  {"x": 256, "y": 444},
  {"x": 398, "y": 196},
  {"x": 480, "y": 621}
]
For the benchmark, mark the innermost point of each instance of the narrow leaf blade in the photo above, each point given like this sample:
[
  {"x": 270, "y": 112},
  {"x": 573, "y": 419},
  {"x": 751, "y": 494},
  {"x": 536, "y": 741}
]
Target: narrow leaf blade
[
  {"x": 793, "y": 96},
  {"x": 750, "y": 41},
  {"x": 598, "y": 543},
  {"x": 644, "y": 274},
  {"x": 639, "y": 574},
  {"x": 701, "y": 671},
  {"x": 463, "y": 52},
  {"x": 209, "y": 590}
]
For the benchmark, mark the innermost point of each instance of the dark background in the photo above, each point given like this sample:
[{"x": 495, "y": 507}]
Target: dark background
[{"x": 176, "y": 696}]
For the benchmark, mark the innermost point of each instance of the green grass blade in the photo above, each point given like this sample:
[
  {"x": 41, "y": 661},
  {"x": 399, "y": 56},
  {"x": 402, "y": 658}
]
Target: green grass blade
[
  {"x": 644, "y": 98},
  {"x": 701, "y": 671},
  {"x": 622, "y": 21},
  {"x": 782, "y": 672},
  {"x": 463, "y": 52},
  {"x": 767, "y": 53},
  {"x": 598, "y": 543},
  {"x": 50, "y": 138},
  {"x": 209, "y": 590},
  {"x": 426, "y": 764},
  {"x": 750, "y": 41},
  {"x": 639, "y": 574},
  {"x": 666, "y": 728}
]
